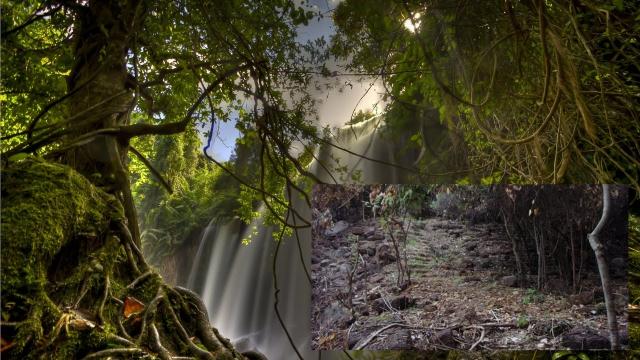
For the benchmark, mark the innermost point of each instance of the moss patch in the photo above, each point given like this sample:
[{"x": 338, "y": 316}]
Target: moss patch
[{"x": 54, "y": 226}]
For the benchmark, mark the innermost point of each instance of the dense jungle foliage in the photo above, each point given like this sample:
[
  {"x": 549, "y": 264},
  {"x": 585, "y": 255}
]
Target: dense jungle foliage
[{"x": 103, "y": 102}]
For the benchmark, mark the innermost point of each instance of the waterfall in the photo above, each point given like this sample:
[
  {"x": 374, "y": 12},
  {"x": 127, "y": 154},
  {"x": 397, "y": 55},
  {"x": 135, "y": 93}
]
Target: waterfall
[{"x": 236, "y": 280}]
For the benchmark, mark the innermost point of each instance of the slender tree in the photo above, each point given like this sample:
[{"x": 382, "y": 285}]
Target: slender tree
[{"x": 603, "y": 267}]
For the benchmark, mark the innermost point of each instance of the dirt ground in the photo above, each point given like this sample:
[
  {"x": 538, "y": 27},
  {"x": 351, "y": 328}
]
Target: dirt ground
[{"x": 462, "y": 294}]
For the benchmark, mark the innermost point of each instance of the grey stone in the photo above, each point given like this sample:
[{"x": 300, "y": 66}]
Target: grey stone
[{"x": 336, "y": 229}]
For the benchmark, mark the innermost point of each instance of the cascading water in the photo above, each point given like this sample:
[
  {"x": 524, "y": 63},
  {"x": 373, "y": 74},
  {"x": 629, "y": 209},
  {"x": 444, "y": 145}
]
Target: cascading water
[{"x": 236, "y": 281}]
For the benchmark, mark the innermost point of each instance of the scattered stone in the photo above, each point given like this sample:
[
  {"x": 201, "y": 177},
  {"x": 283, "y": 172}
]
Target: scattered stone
[
  {"x": 399, "y": 339},
  {"x": 379, "y": 306},
  {"x": 336, "y": 316},
  {"x": 430, "y": 308},
  {"x": 336, "y": 229},
  {"x": 510, "y": 281},
  {"x": 362, "y": 309},
  {"x": 368, "y": 248},
  {"x": 471, "y": 246},
  {"x": 485, "y": 263},
  {"x": 376, "y": 236},
  {"x": 385, "y": 256},
  {"x": 373, "y": 296},
  {"x": 369, "y": 231},
  {"x": 358, "y": 230},
  {"x": 584, "y": 339},
  {"x": 402, "y": 302},
  {"x": 325, "y": 262},
  {"x": 445, "y": 337}
]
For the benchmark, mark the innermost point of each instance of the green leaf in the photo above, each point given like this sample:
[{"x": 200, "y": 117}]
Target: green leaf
[
  {"x": 18, "y": 157},
  {"x": 560, "y": 354},
  {"x": 619, "y": 4}
]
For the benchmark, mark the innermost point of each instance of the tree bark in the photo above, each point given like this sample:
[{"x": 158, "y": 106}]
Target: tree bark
[
  {"x": 598, "y": 247},
  {"x": 105, "y": 33}
]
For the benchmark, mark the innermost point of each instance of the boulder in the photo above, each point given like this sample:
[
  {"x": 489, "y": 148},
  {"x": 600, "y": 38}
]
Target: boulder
[
  {"x": 335, "y": 316},
  {"x": 336, "y": 229},
  {"x": 402, "y": 302}
]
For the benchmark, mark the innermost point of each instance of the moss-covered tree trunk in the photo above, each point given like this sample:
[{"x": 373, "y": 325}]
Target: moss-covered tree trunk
[
  {"x": 74, "y": 282},
  {"x": 103, "y": 96}
]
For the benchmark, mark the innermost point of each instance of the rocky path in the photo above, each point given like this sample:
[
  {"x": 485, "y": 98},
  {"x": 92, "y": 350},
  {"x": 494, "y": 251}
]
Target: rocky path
[{"x": 462, "y": 293}]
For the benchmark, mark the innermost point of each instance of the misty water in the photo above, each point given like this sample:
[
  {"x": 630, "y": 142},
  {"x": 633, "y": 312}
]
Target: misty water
[{"x": 236, "y": 281}]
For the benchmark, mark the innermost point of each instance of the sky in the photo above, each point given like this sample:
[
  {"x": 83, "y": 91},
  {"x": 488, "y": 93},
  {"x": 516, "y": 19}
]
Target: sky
[{"x": 335, "y": 106}]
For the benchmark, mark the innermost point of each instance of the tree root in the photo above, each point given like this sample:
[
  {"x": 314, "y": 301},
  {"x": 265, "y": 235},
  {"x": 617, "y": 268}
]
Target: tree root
[{"x": 113, "y": 352}]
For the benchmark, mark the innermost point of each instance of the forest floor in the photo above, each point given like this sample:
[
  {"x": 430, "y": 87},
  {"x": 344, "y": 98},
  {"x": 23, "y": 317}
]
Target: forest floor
[{"x": 462, "y": 294}]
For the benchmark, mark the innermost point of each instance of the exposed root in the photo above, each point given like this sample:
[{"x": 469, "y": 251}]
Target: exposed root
[
  {"x": 183, "y": 333},
  {"x": 114, "y": 352},
  {"x": 104, "y": 299},
  {"x": 156, "y": 345}
]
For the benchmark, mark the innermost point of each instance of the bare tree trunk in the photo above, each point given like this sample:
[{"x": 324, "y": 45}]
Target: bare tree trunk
[{"x": 598, "y": 248}]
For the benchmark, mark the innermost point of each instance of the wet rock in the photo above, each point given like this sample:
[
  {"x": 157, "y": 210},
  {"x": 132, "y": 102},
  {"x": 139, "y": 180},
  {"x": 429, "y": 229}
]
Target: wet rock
[
  {"x": 336, "y": 316},
  {"x": 402, "y": 302},
  {"x": 336, "y": 229},
  {"x": 445, "y": 337},
  {"x": 510, "y": 281},
  {"x": 584, "y": 339}
]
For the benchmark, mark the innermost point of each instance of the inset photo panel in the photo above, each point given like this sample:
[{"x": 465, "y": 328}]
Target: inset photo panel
[{"x": 437, "y": 267}]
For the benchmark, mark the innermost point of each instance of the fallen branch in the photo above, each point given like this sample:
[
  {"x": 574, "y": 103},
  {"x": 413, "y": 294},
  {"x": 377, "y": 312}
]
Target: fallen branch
[
  {"x": 378, "y": 332},
  {"x": 481, "y": 335}
]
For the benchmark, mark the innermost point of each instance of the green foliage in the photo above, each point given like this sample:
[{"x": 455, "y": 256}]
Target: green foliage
[
  {"x": 522, "y": 321},
  {"x": 47, "y": 208},
  {"x": 569, "y": 355},
  {"x": 489, "y": 73},
  {"x": 532, "y": 296}
]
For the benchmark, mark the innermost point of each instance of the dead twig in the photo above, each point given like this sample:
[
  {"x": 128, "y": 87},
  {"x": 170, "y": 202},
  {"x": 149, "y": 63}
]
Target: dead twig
[{"x": 481, "y": 335}]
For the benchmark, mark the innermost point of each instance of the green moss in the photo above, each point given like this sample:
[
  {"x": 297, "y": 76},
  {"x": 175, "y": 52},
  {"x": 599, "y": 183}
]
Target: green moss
[{"x": 51, "y": 217}]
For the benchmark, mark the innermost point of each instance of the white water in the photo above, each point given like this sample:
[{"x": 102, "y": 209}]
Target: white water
[{"x": 236, "y": 281}]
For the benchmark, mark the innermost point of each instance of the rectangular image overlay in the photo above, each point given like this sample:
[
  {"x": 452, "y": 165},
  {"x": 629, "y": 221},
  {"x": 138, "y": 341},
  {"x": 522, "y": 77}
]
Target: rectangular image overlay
[{"x": 430, "y": 267}]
